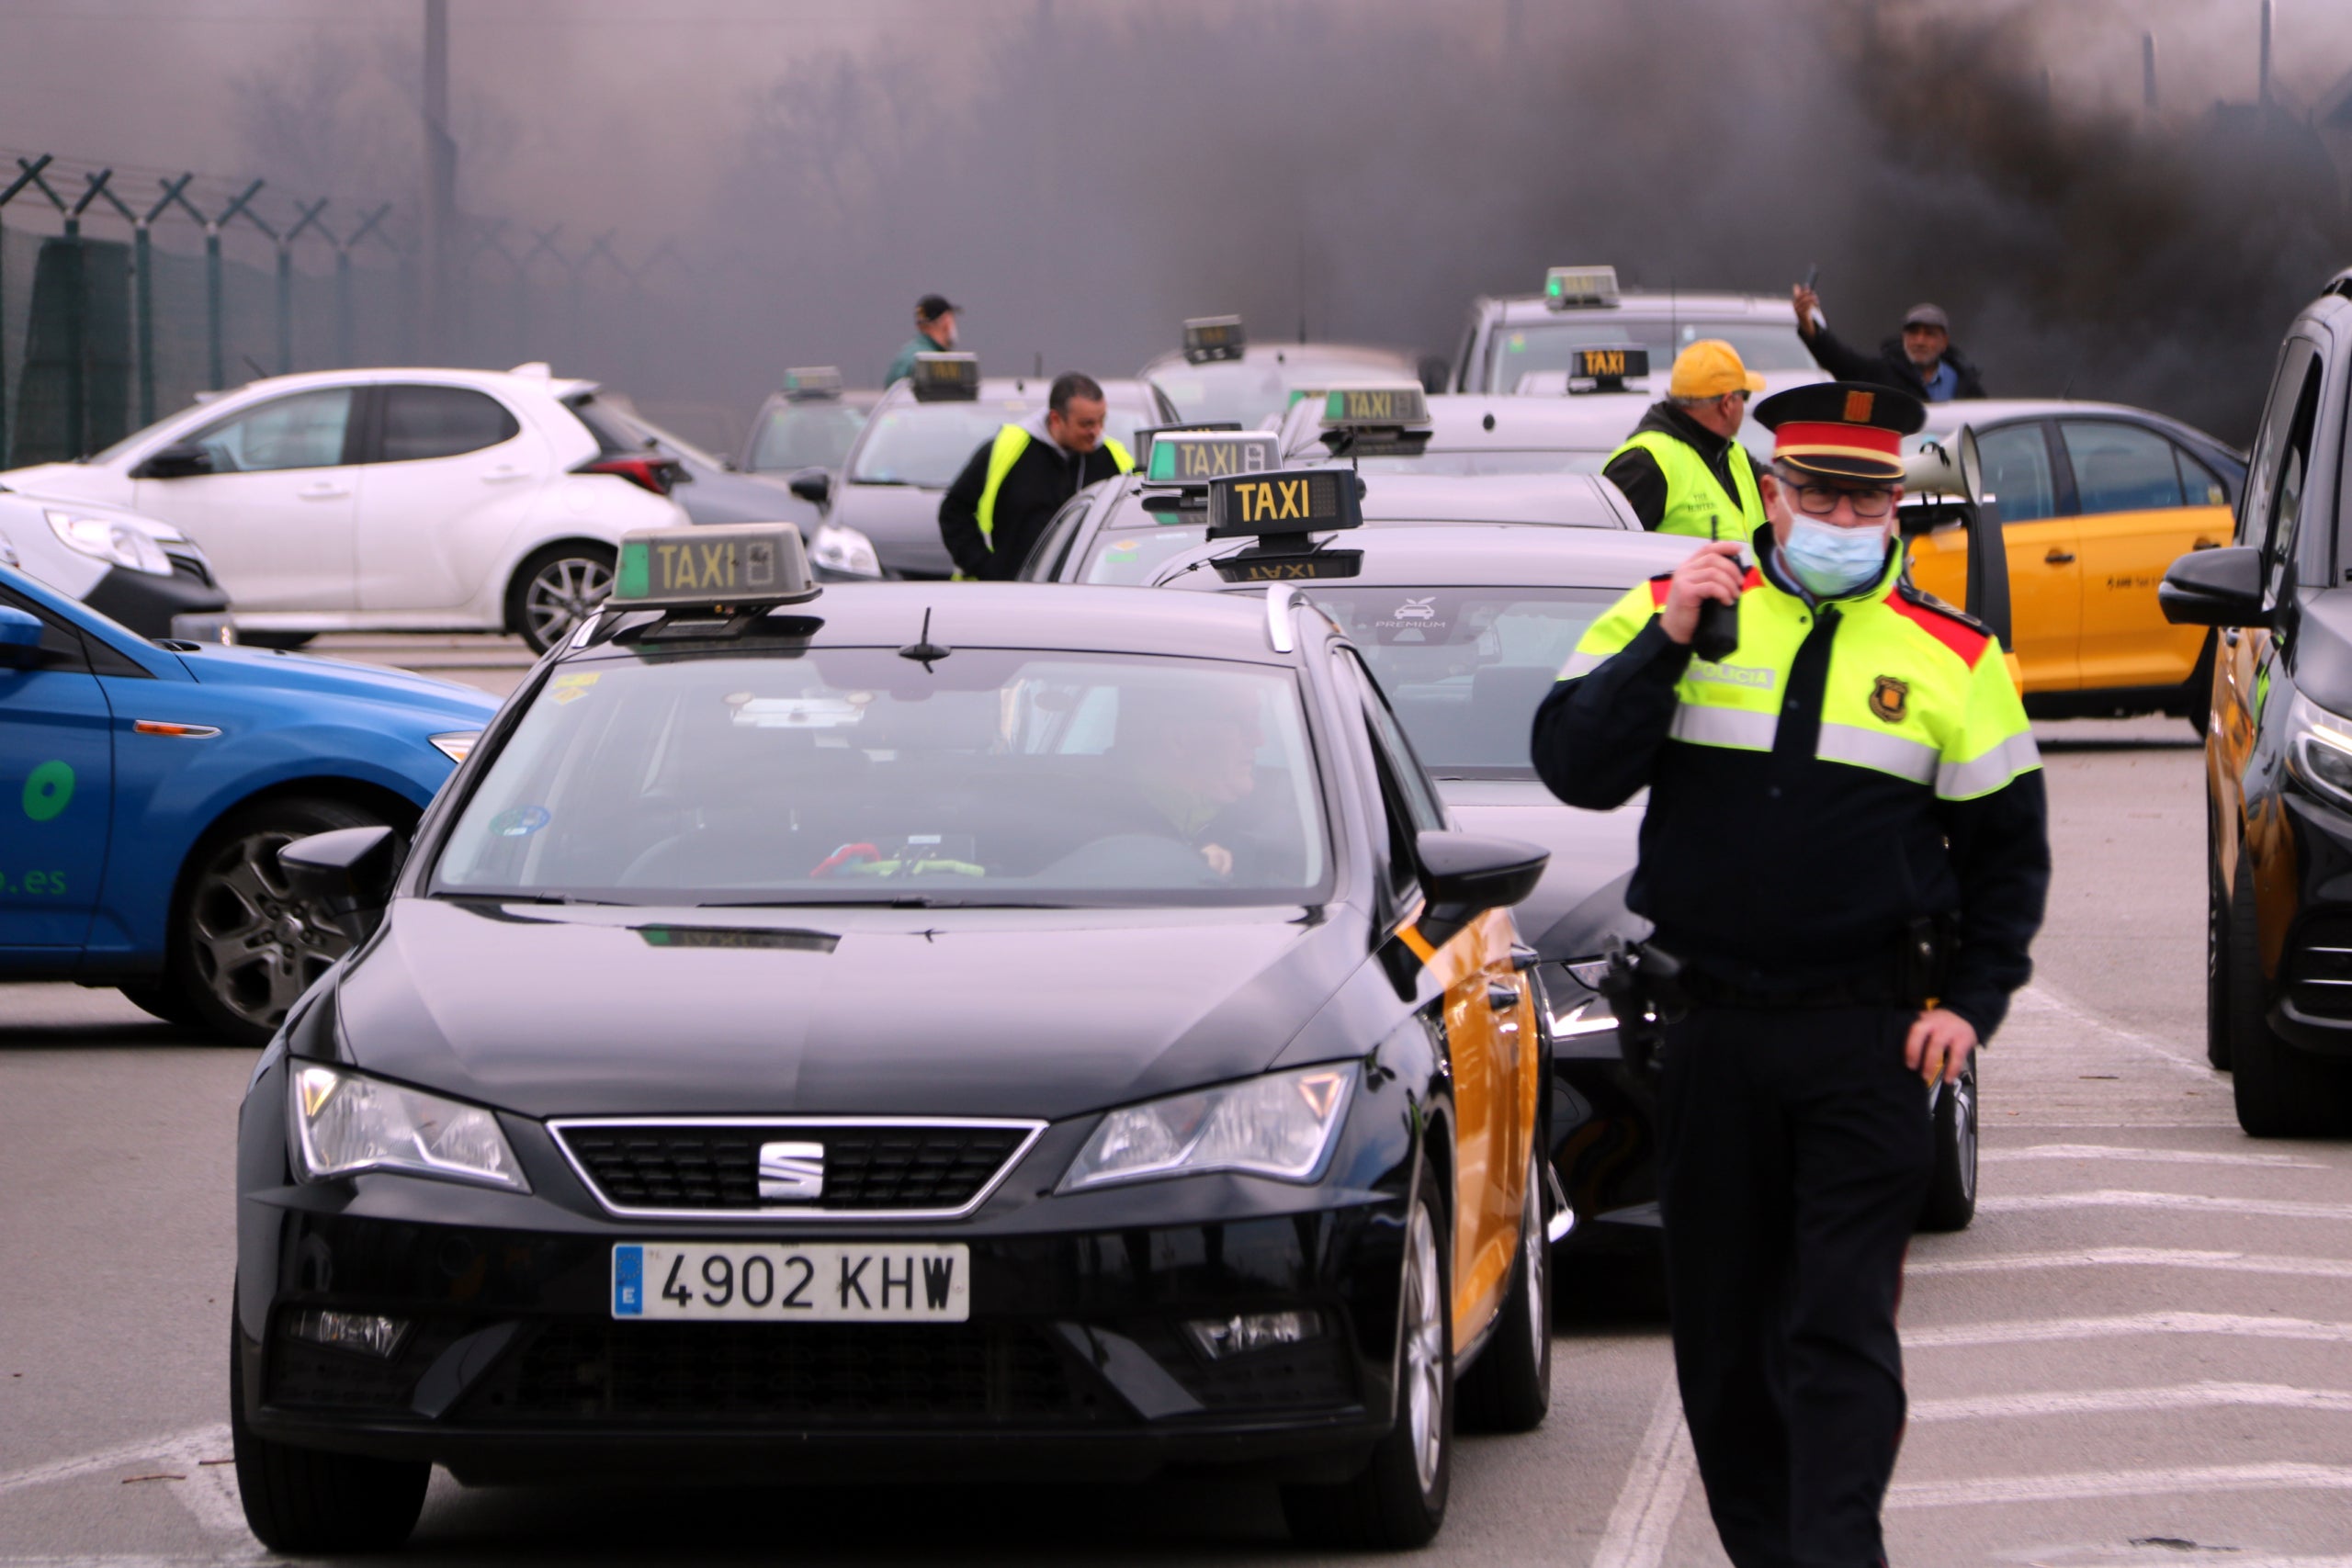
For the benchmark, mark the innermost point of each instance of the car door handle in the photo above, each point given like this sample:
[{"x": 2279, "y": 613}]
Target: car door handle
[
  {"x": 2230, "y": 636},
  {"x": 2205, "y": 543},
  {"x": 1501, "y": 997},
  {"x": 2058, "y": 557},
  {"x": 324, "y": 490},
  {"x": 505, "y": 473}
]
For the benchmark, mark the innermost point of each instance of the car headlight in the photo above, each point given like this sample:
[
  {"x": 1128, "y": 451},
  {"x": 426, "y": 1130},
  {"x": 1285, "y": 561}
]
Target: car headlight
[
  {"x": 108, "y": 540},
  {"x": 1280, "y": 1126},
  {"x": 2319, "y": 750},
  {"x": 845, "y": 551},
  {"x": 345, "y": 1124},
  {"x": 456, "y": 744}
]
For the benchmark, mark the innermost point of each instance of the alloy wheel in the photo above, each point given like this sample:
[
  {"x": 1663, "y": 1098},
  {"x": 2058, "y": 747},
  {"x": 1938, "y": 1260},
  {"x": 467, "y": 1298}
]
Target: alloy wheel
[
  {"x": 561, "y": 594},
  {"x": 258, "y": 946},
  {"x": 1424, "y": 1313},
  {"x": 1964, "y": 1125},
  {"x": 1535, "y": 1260}
]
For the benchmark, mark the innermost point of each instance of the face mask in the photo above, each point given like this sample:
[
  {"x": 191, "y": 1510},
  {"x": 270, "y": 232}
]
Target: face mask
[{"x": 1831, "y": 561}]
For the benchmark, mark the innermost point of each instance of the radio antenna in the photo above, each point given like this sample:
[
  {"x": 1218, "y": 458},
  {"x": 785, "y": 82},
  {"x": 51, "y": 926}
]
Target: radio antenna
[{"x": 923, "y": 650}]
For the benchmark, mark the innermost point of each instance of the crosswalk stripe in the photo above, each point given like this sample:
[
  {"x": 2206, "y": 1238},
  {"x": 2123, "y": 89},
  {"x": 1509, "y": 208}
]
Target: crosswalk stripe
[
  {"x": 2281, "y": 1476},
  {"x": 1656, "y": 1483},
  {"x": 213, "y": 1440},
  {"x": 2141, "y": 1257},
  {"x": 2041, "y": 1330},
  {"x": 2145, "y": 1156},
  {"x": 2116, "y": 1401},
  {"x": 2111, "y": 1197}
]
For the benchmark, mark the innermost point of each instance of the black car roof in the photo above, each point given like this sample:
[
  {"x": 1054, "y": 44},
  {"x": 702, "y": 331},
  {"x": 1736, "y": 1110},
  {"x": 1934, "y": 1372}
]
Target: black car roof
[
  {"x": 1008, "y": 614},
  {"x": 1473, "y": 555}
]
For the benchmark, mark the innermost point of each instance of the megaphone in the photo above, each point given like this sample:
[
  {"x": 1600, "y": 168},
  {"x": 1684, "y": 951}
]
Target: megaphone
[{"x": 1941, "y": 468}]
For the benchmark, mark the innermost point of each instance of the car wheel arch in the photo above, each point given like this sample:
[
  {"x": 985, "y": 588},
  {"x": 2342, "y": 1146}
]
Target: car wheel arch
[{"x": 360, "y": 794}]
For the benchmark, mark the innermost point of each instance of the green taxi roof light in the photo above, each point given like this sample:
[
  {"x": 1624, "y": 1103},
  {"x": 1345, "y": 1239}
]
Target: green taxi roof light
[
  {"x": 1197, "y": 456},
  {"x": 1357, "y": 408},
  {"x": 741, "y": 564},
  {"x": 1568, "y": 285},
  {"x": 812, "y": 381}
]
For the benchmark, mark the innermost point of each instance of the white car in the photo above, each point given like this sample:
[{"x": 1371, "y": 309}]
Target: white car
[
  {"x": 143, "y": 574},
  {"x": 391, "y": 499}
]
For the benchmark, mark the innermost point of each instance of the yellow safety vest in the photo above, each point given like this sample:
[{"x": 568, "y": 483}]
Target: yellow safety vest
[
  {"x": 1012, "y": 440},
  {"x": 1693, "y": 494},
  {"x": 1912, "y": 689}
]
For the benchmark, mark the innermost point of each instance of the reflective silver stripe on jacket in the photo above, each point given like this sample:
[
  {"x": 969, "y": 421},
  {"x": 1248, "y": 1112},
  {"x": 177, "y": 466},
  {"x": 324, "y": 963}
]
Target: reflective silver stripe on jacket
[
  {"x": 1966, "y": 781},
  {"x": 1905, "y": 759},
  {"x": 1736, "y": 728}
]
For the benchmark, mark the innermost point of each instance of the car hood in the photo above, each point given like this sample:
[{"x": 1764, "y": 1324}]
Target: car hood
[
  {"x": 901, "y": 520},
  {"x": 2322, "y": 648},
  {"x": 1581, "y": 900},
  {"x": 550, "y": 1011},
  {"x": 214, "y": 665}
]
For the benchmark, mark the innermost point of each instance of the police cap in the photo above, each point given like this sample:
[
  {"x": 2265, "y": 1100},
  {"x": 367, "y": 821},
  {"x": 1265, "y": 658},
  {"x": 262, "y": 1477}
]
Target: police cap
[{"x": 1847, "y": 430}]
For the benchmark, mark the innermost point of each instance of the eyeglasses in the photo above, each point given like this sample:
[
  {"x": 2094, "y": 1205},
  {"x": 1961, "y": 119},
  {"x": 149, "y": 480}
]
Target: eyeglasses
[{"x": 1821, "y": 500}]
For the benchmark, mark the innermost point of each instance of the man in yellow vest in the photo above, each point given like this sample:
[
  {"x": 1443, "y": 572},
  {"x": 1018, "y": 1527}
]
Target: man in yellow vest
[
  {"x": 1681, "y": 468},
  {"x": 991, "y": 516}
]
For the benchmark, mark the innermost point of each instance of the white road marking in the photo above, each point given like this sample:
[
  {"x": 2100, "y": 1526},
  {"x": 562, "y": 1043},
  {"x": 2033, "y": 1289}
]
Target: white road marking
[
  {"x": 2233, "y": 1560},
  {"x": 2042, "y": 1330},
  {"x": 208, "y": 1492},
  {"x": 2282, "y": 1476},
  {"x": 2143, "y": 1257},
  {"x": 211, "y": 1439},
  {"x": 2146, "y": 1156},
  {"x": 1662, "y": 1472},
  {"x": 2041, "y": 999},
  {"x": 2116, "y": 1401},
  {"x": 2111, "y": 1197}
]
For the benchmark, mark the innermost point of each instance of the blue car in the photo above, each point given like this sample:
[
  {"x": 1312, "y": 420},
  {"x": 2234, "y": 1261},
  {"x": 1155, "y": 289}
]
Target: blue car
[{"x": 146, "y": 787}]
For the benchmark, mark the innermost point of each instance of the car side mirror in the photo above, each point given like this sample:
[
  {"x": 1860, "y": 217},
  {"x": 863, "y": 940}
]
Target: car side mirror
[
  {"x": 2214, "y": 587},
  {"x": 180, "y": 460},
  {"x": 1435, "y": 371},
  {"x": 347, "y": 873},
  {"x": 1465, "y": 875},
  {"x": 20, "y": 638},
  {"x": 814, "y": 486}
]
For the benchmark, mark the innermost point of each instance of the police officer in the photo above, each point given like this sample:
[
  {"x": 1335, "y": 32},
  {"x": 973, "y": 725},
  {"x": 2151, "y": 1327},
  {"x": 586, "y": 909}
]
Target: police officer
[
  {"x": 1846, "y": 848},
  {"x": 935, "y": 334},
  {"x": 1681, "y": 468},
  {"x": 991, "y": 516}
]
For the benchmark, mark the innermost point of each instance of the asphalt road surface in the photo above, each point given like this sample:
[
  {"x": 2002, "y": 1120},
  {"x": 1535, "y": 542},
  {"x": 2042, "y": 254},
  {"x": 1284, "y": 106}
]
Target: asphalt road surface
[{"x": 2141, "y": 1353}]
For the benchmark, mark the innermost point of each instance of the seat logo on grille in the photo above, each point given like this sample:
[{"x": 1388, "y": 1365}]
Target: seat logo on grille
[{"x": 792, "y": 1172}]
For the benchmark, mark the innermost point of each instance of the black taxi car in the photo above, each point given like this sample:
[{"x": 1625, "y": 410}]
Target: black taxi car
[
  {"x": 1123, "y": 531},
  {"x": 996, "y": 1029},
  {"x": 2278, "y": 746}
]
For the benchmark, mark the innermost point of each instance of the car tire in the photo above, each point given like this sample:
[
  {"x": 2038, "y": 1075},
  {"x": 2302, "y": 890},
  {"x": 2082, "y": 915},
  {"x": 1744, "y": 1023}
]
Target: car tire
[
  {"x": 2217, "y": 962},
  {"x": 2281, "y": 1092},
  {"x": 1508, "y": 1388},
  {"x": 1398, "y": 1500},
  {"x": 242, "y": 947},
  {"x": 165, "y": 1002},
  {"x": 554, "y": 588},
  {"x": 1952, "y": 1189},
  {"x": 306, "y": 1502}
]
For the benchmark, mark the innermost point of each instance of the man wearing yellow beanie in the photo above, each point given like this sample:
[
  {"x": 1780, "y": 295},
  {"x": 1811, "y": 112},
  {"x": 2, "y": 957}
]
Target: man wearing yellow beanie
[{"x": 1681, "y": 468}]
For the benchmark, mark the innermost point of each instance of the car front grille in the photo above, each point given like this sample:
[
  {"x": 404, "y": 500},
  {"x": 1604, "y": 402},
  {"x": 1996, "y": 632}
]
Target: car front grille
[
  {"x": 931, "y": 1168},
  {"x": 2319, "y": 968},
  {"x": 833, "y": 1375}
]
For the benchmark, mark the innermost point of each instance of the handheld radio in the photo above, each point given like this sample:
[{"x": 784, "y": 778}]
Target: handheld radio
[{"x": 1717, "y": 636}]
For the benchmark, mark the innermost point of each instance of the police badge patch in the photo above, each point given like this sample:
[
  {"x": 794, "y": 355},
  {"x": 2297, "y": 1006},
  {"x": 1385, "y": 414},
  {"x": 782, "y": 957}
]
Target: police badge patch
[{"x": 1889, "y": 697}]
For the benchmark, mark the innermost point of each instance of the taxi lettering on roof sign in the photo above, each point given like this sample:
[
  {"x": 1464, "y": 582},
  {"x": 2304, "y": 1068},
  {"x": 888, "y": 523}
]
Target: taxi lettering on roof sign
[
  {"x": 812, "y": 381},
  {"x": 1197, "y": 456},
  {"x": 1355, "y": 407},
  {"x": 1297, "y": 501},
  {"x": 946, "y": 376},
  {"x": 738, "y": 563},
  {"x": 1568, "y": 285},
  {"x": 1608, "y": 366},
  {"x": 1208, "y": 339}
]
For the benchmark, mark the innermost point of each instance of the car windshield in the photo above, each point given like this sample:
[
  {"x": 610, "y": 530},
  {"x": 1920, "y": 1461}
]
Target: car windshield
[
  {"x": 928, "y": 443},
  {"x": 1464, "y": 668},
  {"x": 1549, "y": 346},
  {"x": 854, "y": 776},
  {"x": 1465, "y": 462},
  {"x": 1129, "y": 557},
  {"x": 806, "y": 435},
  {"x": 1252, "y": 392}
]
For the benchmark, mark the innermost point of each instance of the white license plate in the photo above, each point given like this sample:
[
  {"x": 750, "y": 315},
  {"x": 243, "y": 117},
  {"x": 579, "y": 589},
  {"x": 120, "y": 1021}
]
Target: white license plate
[{"x": 792, "y": 1281}]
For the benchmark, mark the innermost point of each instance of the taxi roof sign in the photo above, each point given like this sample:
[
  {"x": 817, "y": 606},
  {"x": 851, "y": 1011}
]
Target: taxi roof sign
[
  {"x": 1375, "y": 408},
  {"x": 938, "y": 377},
  {"x": 1197, "y": 456},
  {"x": 1208, "y": 339},
  {"x": 1605, "y": 368},
  {"x": 737, "y": 564},
  {"x": 1283, "y": 503},
  {"x": 805, "y": 381},
  {"x": 1569, "y": 286}
]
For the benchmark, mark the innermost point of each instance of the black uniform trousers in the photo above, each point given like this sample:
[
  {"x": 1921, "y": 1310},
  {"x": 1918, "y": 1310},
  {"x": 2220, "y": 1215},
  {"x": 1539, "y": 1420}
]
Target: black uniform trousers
[{"x": 1797, "y": 1151}]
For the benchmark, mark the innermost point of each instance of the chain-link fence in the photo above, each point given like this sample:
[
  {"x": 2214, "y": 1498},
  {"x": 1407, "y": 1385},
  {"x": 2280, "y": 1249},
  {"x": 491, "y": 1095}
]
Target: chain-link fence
[{"x": 120, "y": 304}]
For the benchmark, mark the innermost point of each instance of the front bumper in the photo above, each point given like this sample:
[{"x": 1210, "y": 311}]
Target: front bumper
[
  {"x": 158, "y": 606},
  {"x": 2310, "y": 994},
  {"x": 1074, "y": 1361},
  {"x": 1604, "y": 1127}
]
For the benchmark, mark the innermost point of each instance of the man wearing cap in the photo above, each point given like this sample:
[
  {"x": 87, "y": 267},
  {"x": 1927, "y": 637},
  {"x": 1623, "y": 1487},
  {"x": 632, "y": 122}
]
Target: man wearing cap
[
  {"x": 1921, "y": 362},
  {"x": 1681, "y": 468},
  {"x": 935, "y": 334},
  {"x": 991, "y": 516},
  {"x": 1846, "y": 848}
]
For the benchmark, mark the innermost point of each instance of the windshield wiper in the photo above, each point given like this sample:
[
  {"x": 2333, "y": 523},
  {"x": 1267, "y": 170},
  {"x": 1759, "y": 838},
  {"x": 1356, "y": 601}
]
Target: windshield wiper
[
  {"x": 892, "y": 901},
  {"x": 534, "y": 898}
]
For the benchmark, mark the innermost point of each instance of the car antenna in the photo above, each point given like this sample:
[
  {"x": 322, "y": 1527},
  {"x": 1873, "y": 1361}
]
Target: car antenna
[{"x": 922, "y": 648}]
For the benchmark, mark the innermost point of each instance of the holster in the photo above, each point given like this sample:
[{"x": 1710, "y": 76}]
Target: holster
[
  {"x": 1923, "y": 965},
  {"x": 1645, "y": 990}
]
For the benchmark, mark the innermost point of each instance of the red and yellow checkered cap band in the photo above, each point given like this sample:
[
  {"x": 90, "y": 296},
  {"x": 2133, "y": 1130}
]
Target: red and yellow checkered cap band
[{"x": 1806, "y": 438}]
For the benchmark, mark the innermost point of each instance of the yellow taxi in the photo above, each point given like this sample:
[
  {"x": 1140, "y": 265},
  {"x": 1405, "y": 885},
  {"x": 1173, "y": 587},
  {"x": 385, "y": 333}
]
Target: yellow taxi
[{"x": 2097, "y": 500}]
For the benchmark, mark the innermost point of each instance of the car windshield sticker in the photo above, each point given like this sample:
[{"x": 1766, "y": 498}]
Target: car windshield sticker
[
  {"x": 519, "y": 821},
  {"x": 48, "y": 789},
  {"x": 573, "y": 685}
]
